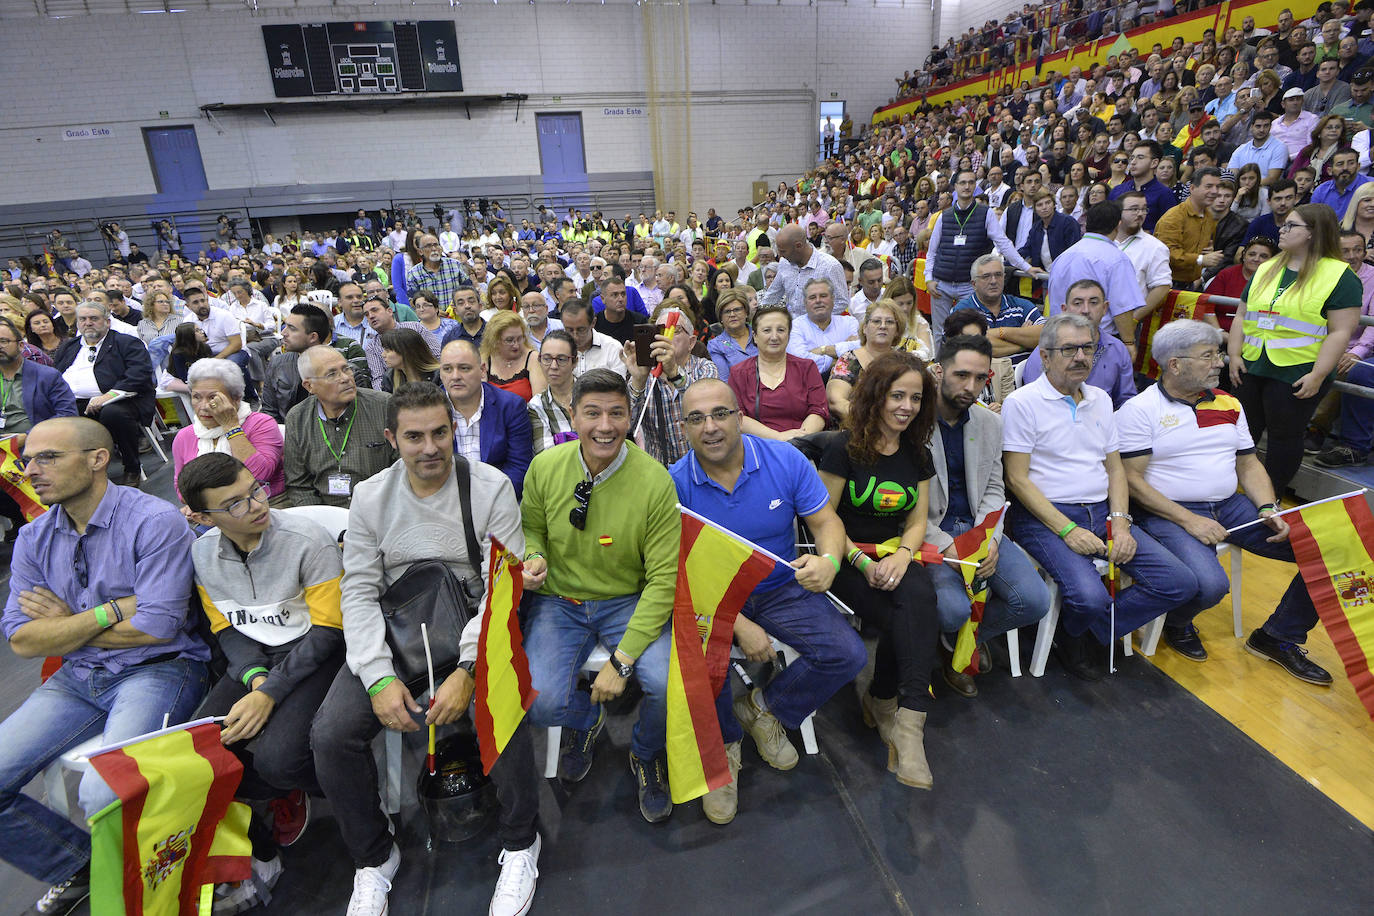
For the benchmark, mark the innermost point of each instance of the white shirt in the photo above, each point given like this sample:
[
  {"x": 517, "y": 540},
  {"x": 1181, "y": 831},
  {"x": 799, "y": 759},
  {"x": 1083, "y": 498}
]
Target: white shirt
[
  {"x": 219, "y": 326},
  {"x": 1068, "y": 442},
  {"x": 1150, "y": 257},
  {"x": 806, "y": 336},
  {"x": 1188, "y": 463},
  {"x": 467, "y": 434},
  {"x": 448, "y": 241},
  {"x": 604, "y": 353},
  {"x": 858, "y": 305},
  {"x": 80, "y": 375},
  {"x": 746, "y": 270},
  {"x": 396, "y": 240}
]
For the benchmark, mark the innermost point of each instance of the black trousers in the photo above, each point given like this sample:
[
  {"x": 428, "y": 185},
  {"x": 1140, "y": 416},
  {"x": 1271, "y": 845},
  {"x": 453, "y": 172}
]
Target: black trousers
[
  {"x": 1270, "y": 406},
  {"x": 342, "y": 742},
  {"x": 122, "y": 420},
  {"x": 910, "y": 628}
]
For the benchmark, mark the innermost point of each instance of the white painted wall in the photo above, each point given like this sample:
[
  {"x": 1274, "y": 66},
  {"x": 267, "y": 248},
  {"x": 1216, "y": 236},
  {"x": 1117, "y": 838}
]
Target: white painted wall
[{"x": 757, "y": 74}]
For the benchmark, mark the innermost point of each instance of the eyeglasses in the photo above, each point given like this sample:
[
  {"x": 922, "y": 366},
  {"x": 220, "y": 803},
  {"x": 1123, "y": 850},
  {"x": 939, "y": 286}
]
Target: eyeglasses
[
  {"x": 46, "y": 459},
  {"x": 1291, "y": 225},
  {"x": 1118, "y": 162},
  {"x": 730, "y": 311},
  {"x": 998, "y": 275},
  {"x": 241, "y": 507},
  {"x": 551, "y": 360},
  {"x": 583, "y": 494},
  {"x": 1211, "y": 356},
  {"x": 337, "y": 374},
  {"x": 1068, "y": 352},
  {"x": 720, "y": 415}
]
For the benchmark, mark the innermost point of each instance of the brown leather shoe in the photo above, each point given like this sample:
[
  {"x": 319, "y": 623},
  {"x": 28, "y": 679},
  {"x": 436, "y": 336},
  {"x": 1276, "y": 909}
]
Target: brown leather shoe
[{"x": 959, "y": 681}]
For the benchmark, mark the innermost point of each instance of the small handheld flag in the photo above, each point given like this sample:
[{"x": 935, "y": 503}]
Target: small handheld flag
[
  {"x": 429, "y": 664},
  {"x": 503, "y": 690}
]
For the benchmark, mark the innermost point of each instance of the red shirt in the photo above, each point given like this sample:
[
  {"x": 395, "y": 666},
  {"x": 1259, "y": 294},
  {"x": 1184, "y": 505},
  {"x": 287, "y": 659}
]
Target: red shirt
[
  {"x": 801, "y": 394},
  {"x": 1230, "y": 282}
]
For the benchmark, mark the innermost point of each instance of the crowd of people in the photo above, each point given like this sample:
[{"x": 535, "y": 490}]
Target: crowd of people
[{"x": 565, "y": 386}]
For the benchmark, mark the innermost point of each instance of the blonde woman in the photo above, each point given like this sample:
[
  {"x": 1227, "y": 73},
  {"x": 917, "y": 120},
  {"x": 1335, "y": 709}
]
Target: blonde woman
[
  {"x": 159, "y": 318},
  {"x": 508, "y": 359},
  {"x": 917, "y": 339},
  {"x": 501, "y": 296},
  {"x": 883, "y": 326}
]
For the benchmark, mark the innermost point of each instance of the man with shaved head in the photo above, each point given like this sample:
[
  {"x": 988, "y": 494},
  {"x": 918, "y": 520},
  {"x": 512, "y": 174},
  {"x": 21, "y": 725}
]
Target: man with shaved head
[
  {"x": 758, "y": 487},
  {"x": 101, "y": 579},
  {"x": 802, "y": 262}
]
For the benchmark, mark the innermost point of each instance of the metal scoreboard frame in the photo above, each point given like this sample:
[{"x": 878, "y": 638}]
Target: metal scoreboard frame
[{"x": 363, "y": 57}]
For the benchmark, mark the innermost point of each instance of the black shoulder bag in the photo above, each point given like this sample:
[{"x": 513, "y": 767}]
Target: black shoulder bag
[{"x": 429, "y": 593}]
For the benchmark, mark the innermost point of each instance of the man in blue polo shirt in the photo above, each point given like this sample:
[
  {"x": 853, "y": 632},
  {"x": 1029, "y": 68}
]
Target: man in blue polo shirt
[
  {"x": 1013, "y": 322},
  {"x": 757, "y": 487}
]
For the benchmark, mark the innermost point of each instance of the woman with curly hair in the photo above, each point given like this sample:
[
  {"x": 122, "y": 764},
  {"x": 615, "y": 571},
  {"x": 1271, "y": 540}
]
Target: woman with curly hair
[
  {"x": 877, "y": 472},
  {"x": 507, "y": 357}
]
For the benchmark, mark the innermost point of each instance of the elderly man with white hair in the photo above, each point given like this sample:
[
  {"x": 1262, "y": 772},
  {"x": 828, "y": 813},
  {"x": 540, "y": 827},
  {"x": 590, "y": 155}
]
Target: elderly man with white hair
[{"x": 1186, "y": 447}]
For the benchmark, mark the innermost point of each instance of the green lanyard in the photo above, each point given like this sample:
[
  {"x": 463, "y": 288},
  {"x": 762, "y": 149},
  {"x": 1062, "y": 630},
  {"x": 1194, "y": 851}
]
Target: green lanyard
[
  {"x": 338, "y": 456},
  {"x": 962, "y": 222},
  {"x": 5, "y": 393}
]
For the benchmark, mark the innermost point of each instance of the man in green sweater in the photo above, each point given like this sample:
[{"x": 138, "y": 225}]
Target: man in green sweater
[{"x": 602, "y": 525}]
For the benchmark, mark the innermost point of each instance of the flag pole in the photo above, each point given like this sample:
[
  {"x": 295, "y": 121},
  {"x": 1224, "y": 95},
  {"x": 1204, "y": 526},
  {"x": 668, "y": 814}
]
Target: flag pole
[
  {"x": 429, "y": 664},
  {"x": 1330, "y": 499},
  {"x": 1111, "y": 593}
]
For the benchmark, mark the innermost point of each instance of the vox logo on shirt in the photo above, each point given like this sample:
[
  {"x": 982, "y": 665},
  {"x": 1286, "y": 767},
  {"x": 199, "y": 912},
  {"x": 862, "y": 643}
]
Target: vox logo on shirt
[{"x": 884, "y": 496}]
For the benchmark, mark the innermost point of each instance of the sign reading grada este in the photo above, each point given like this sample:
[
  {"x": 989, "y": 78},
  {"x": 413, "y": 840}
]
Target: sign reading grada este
[{"x": 87, "y": 133}]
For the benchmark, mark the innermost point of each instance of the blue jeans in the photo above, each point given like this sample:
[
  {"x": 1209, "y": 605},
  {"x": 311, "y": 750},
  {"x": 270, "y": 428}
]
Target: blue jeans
[
  {"x": 559, "y": 636},
  {"x": 63, "y": 712},
  {"x": 1162, "y": 582},
  {"x": 829, "y": 654},
  {"x": 1357, "y": 414},
  {"x": 1017, "y": 598},
  {"x": 1293, "y": 617}
]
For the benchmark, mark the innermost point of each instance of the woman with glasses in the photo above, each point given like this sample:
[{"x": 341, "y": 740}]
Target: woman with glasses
[
  {"x": 781, "y": 396},
  {"x": 221, "y": 421},
  {"x": 878, "y": 472},
  {"x": 507, "y": 357},
  {"x": 883, "y": 326},
  {"x": 551, "y": 410},
  {"x": 1300, "y": 310},
  {"x": 1232, "y": 280},
  {"x": 159, "y": 318},
  {"x": 917, "y": 340},
  {"x": 735, "y": 342},
  {"x": 429, "y": 314}
]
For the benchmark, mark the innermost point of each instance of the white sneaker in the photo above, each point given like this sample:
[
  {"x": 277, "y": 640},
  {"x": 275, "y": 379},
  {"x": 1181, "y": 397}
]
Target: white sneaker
[
  {"x": 371, "y": 885},
  {"x": 515, "y": 888},
  {"x": 241, "y": 896}
]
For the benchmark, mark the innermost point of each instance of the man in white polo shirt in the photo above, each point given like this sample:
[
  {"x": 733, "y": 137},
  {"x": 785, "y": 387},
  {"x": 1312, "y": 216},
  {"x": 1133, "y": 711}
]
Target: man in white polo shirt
[
  {"x": 1062, "y": 466},
  {"x": 1186, "y": 447}
]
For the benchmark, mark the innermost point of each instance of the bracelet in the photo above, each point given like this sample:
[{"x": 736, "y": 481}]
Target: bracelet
[
  {"x": 1272, "y": 507},
  {"x": 852, "y": 558},
  {"x": 252, "y": 673},
  {"x": 118, "y": 614},
  {"x": 102, "y": 617},
  {"x": 236, "y": 431},
  {"x": 533, "y": 555},
  {"x": 1064, "y": 532},
  {"x": 1125, "y": 515},
  {"x": 831, "y": 558},
  {"x": 907, "y": 549},
  {"x": 865, "y": 561},
  {"x": 380, "y": 685}
]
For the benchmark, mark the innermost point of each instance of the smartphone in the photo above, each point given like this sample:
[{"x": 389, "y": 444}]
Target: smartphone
[{"x": 644, "y": 339}]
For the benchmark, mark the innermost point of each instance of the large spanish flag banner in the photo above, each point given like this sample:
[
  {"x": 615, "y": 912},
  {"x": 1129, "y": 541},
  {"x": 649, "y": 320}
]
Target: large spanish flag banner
[
  {"x": 175, "y": 831},
  {"x": 715, "y": 574},
  {"x": 1334, "y": 546},
  {"x": 972, "y": 547},
  {"x": 504, "y": 692},
  {"x": 16, "y": 483},
  {"x": 1178, "y": 304}
]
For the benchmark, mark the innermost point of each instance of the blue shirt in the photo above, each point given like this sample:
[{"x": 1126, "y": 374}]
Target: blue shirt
[
  {"x": 1326, "y": 193},
  {"x": 1271, "y": 155},
  {"x": 952, "y": 435},
  {"x": 725, "y": 352},
  {"x": 1096, "y": 257},
  {"x": 135, "y": 544},
  {"x": 1113, "y": 371},
  {"x": 1158, "y": 199},
  {"x": 1264, "y": 225},
  {"x": 776, "y": 485},
  {"x": 1015, "y": 312}
]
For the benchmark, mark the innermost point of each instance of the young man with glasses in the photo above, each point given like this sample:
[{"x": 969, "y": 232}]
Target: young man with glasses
[
  {"x": 412, "y": 513},
  {"x": 334, "y": 437},
  {"x": 1186, "y": 449},
  {"x": 102, "y": 579},
  {"x": 594, "y": 349},
  {"x": 1149, "y": 256},
  {"x": 758, "y": 488},
  {"x": 269, "y": 585},
  {"x": 1063, "y": 470},
  {"x": 601, "y": 521}
]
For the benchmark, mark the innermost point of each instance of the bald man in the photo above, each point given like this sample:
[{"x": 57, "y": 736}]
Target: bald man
[
  {"x": 802, "y": 262},
  {"x": 101, "y": 579}
]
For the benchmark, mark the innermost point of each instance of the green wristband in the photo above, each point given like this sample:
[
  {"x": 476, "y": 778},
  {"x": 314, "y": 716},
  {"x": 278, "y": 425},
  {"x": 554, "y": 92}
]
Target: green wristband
[
  {"x": 1064, "y": 532},
  {"x": 252, "y": 673},
  {"x": 865, "y": 561},
  {"x": 831, "y": 558},
  {"x": 380, "y": 686},
  {"x": 102, "y": 616}
]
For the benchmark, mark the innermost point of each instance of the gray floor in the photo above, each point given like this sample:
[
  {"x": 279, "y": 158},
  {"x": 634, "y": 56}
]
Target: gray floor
[{"x": 1051, "y": 796}]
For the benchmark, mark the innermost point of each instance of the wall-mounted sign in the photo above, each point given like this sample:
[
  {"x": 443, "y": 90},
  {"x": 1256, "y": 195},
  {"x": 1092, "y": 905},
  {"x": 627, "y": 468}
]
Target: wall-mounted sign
[{"x": 87, "y": 133}]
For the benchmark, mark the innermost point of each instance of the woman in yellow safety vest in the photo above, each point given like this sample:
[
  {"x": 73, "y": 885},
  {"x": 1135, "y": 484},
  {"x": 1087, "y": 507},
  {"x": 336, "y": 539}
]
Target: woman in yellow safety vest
[{"x": 1300, "y": 309}]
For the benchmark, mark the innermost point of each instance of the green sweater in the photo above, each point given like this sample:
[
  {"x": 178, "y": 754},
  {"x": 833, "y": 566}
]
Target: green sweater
[{"x": 636, "y": 508}]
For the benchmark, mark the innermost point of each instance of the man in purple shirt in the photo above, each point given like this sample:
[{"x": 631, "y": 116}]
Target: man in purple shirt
[
  {"x": 103, "y": 579},
  {"x": 1112, "y": 369}
]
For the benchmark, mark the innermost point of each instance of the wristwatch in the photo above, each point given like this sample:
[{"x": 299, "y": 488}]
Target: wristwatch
[
  {"x": 470, "y": 668},
  {"x": 622, "y": 669}
]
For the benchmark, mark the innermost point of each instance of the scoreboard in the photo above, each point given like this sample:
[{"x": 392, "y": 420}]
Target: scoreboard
[{"x": 363, "y": 58}]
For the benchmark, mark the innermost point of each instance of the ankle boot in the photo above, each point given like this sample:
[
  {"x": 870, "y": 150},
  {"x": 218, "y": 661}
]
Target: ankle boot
[
  {"x": 878, "y": 714},
  {"x": 908, "y": 742}
]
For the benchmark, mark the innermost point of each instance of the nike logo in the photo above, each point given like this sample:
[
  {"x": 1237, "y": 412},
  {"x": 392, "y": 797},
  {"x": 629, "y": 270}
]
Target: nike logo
[{"x": 774, "y": 504}]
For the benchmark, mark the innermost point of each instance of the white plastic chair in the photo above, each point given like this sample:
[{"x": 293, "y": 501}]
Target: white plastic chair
[
  {"x": 1044, "y": 636},
  {"x": 1150, "y": 633},
  {"x": 54, "y": 779}
]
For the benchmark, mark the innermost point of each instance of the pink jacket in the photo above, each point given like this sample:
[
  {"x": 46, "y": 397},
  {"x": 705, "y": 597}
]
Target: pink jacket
[
  {"x": 266, "y": 465},
  {"x": 1363, "y": 345}
]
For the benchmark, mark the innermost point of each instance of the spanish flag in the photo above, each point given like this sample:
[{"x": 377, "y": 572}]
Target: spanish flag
[
  {"x": 1218, "y": 410},
  {"x": 1178, "y": 304},
  {"x": 972, "y": 546},
  {"x": 175, "y": 831},
  {"x": 504, "y": 692},
  {"x": 1334, "y": 546},
  {"x": 918, "y": 279},
  {"x": 715, "y": 574},
  {"x": 16, "y": 483}
]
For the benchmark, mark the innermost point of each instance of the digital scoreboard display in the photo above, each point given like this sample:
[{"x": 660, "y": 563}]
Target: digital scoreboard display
[{"x": 361, "y": 58}]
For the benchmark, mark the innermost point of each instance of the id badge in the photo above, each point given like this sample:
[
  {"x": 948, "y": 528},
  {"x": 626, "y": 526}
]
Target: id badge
[
  {"x": 340, "y": 484},
  {"x": 960, "y": 239},
  {"x": 2, "y": 421},
  {"x": 1267, "y": 322}
]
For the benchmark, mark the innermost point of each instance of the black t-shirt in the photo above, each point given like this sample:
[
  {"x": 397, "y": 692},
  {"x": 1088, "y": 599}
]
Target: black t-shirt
[
  {"x": 876, "y": 498},
  {"x": 622, "y": 330}
]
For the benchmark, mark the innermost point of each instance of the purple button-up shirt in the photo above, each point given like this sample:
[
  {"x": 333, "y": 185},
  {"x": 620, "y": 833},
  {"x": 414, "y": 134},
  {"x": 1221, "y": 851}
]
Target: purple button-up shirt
[
  {"x": 1112, "y": 370},
  {"x": 135, "y": 544}
]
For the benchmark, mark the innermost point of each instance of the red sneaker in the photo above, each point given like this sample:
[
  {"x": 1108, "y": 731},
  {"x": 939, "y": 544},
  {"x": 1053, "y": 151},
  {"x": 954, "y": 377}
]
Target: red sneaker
[{"x": 290, "y": 815}]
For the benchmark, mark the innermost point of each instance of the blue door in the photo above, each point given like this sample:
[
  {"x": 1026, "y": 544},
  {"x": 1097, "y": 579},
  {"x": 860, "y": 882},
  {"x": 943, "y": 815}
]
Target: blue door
[
  {"x": 562, "y": 161},
  {"x": 175, "y": 158}
]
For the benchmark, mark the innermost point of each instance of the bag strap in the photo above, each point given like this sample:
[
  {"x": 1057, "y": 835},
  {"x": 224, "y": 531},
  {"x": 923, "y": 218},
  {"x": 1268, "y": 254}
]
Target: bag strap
[{"x": 464, "y": 475}]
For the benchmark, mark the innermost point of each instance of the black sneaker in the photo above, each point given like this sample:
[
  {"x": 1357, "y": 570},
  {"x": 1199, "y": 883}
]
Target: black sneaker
[
  {"x": 1081, "y": 656},
  {"x": 64, "y": 898},
  {"x": 1340, "y": 456},
  {"x": 576, "y": 760},
  {"x": 651, "y": 779},
  {"x": 1291, "y": 656},
  {"x": 1313, "y": 441},
  {"x": 1184, "y": 640}
]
